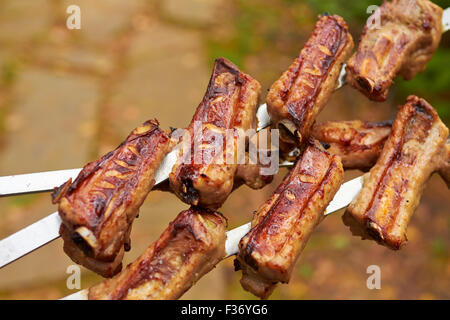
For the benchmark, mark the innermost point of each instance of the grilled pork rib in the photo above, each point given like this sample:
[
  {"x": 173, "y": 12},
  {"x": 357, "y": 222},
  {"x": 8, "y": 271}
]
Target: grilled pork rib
[
  {"x": 98, "y": 208},
  {"x": 358, "y": 143},
  {"x": 295, "y": 100},
  {"x": 408, "y": 35},
  {"x": 444, "y": 170},
  {"x": 393, "y": 187},
  {"x": 189, "y": 248},
  {"x": 204, "y": 177},
  {"x": 283, "y": 225}
]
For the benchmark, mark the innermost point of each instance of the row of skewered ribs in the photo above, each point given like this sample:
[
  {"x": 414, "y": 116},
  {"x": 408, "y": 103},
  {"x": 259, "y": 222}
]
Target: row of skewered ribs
[{"x": 99, "y": 206}]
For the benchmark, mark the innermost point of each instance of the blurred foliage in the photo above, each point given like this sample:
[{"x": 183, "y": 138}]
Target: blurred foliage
[
  {"x": 340, "y": 241},
  {"x": 257, "y": 26},
  {"x": 23, "y": 201},
  {"x": 349, "y": 10},
  {"x": 271, "y": 33},
  {"x": 280, "y": 25}
]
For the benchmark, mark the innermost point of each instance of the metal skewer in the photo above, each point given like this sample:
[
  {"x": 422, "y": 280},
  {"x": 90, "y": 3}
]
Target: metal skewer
[{"x": 343, "y": 197}]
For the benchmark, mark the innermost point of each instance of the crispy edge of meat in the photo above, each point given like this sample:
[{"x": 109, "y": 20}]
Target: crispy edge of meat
[
  {"x": 297, "y": 97},
  {"x": 392, "y": 188},
  {"x": 444, "y": 170},
  {"x": 230, "y": 102},
  {"x": 105, "y": 269},
  {"x": 403, "y": 45},
  {"x": 188, "y": 249},
  {"x": 283, "y": 225},
  {"x": 98, "y": 208}
]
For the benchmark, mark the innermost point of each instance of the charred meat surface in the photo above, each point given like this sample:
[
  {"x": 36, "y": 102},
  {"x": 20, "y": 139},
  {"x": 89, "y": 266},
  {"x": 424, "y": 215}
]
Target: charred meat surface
[
  {"x": 393, "y": 187},
  {"x": 403, "y": 43},
  {"x": 295, "y": 100},
  {"x": 98, "y": 208},
  {"x": 204, "y": 174},
  {"x": 283, "y": 225},
  {"x": 189, "y": 248}
]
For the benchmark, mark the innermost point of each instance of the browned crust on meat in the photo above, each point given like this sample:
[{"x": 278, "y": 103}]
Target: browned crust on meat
[
  {"x": 303, "y": 90},
  {"x": 409, "y": 35},
  {"x": 358, "y": 143},
  {"x": 229, "y": 103},
  {"x": 393, "y": 187},
  {"x": 229, "y": 96},
  {"x": 189, "y": 248},
  {"x": 103, "y": 268},
  {"x": 283, "y": 225},
  {"x": 99, "y": 207}
]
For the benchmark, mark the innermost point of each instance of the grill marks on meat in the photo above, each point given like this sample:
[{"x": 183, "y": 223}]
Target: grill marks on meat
[
  {"x": 300, "y": 94},
  {"x": 283, "y": 225},
  {"x": 99, "y": 207},
  {"x": 204, "y": 176},
  {"x": 393, "y": 187},
  {"x": 189, "y": 248},
  {"x": 409, "y": 35}
]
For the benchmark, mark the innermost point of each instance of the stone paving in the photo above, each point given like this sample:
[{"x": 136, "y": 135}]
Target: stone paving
[{"x": 67, "y": 97}]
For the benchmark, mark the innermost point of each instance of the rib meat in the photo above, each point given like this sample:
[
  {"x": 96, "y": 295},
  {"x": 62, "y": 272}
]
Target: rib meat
[
  {"x": 189, "y": 248},
  {"x": 98, "y": 208},
  {"x": 204, "y": 174},
  {"x": 358, "y": 143},
  {"x": 393, "y": 187},
  {"x": 444, "y": 169},
  {"x": 283, "y": 225},
  {"x": 403, "y": 43},
  {"x": 295, "y": 100}
]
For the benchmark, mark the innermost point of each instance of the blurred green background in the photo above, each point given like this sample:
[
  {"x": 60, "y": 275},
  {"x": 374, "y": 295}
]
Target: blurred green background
[{"x": 69, "y": 96}]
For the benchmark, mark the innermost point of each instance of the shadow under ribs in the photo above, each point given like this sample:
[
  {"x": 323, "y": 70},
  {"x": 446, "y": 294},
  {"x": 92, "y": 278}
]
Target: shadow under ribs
[
  {"x": 393, "y": 187},
  {"x": 283, "y": 225},
  {"x": 188, "y": 249},
  {"x": 403, "y": 43},
  {"x": 98, "y": 208},
  {"x": 202, "y": 175},
  {"x": 295, "y": 100}
]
